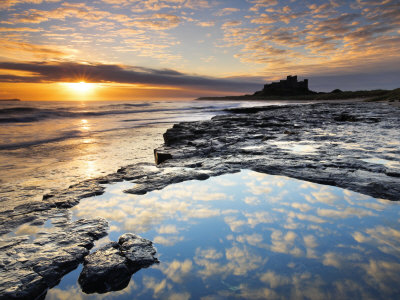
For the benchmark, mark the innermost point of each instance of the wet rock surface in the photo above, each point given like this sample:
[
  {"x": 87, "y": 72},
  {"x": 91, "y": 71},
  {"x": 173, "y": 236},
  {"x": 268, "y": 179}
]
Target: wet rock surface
[
  {"x": 355, "y": 146},
  {"x": 28, "y": 268},
  {"x": 110, "y": 268}
]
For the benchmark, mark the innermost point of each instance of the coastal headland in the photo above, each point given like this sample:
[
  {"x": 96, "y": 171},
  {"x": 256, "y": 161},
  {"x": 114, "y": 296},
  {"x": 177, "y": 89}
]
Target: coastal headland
[
  {"x": 309, "y": 142},
  {"x": 292, "y": 89}
]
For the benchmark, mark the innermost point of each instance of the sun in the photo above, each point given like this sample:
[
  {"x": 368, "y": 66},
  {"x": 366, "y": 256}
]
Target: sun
[{"x": 80, "y": 87}]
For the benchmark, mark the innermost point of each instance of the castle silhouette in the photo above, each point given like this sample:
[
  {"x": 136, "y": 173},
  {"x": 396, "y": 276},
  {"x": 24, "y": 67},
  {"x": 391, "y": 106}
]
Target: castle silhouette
[{"x": 287, "y": 87}]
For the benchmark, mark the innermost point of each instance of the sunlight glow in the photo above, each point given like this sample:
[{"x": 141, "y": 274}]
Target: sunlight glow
[
  {"x": 84, "y": 124},
  {"x": 80, "y": 87}
]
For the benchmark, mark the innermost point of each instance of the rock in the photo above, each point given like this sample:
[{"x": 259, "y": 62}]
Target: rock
[
  {"x": 110, "y": 268},
  {"x": 29, "y": 268},
  {"x": 47, "y": 196},
  {"x": 137, "y": 250},
  {"x": 336, "y": 159},
  {"x": 344, "y": 117},
  {"x": 105, "y": 270},
  {"x": 161, "y": 157},
  {"x": 210, "y": 148}
]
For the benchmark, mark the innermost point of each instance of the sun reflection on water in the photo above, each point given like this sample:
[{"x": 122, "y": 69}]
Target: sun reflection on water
[{"x": 84, "y": 125}]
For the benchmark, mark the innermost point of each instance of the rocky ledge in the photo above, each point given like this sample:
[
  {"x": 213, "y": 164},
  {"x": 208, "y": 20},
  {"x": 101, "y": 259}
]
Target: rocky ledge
[
  {"x": 110, "y": 268},
  {"x": 28, "y": 268},
  {"x": 350, "y": 145},
  {"x": 355, "y": 146}
]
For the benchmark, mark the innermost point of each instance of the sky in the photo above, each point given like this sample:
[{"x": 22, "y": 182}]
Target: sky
[{"x": 173, "y": 49}]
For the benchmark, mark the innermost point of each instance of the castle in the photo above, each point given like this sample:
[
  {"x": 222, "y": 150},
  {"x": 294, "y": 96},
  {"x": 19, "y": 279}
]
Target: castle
[{"x": 287, "y": 87}]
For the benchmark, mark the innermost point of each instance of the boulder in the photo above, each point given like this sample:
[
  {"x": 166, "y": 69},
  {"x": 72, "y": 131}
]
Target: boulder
[
  {"x": 160, "y": 157},
  {"x": 110, "y": 268}
]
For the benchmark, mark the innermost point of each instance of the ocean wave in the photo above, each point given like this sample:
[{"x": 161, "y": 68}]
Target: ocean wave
[
  {"x": 20, "y": 119},
  {"x": 31, "y": 114},
  {"x": 122, "y": 105},
  {"x": 13, "y": 110},
  {"x": 204, "y": 107},
  {"x": 66, "y": 135}
]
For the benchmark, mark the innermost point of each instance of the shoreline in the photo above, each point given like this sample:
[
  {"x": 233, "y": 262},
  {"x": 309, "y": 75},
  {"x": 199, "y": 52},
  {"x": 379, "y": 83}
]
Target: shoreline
[
  {"x": 246, "y": 139},
  {"x": 336, "y": 95}
]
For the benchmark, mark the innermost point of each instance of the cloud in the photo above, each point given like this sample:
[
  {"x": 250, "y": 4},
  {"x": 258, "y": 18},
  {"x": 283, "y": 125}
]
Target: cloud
[
  {"x": 333, "y": 259},
  {"x": 329, "y": 37},
  {"x": 259, "y": 217},
  {"x": 197, "y": 4},
  {"x": 303, "y": 207},
  {"x": 66, "y": 10},
  {"x": 386, "y": 238},
  {"x": 234, "y": 224},
  {"x": 206, "y": 23},
  {"x": 20, "y": 29},
  {"x": 258, "y": 4},
  {"x": 323, "y": 195},
  {"x": 322, "y": 8},
  {"x": 151, "y": 283},
  {"x": 264, "y": 19},
  {"x": 5, "y": 4},
  {"x": 252, "y": 200},
  {"x": 285, "y": 243},
  {"x": 156, "y": 22},
  {"x": 384, "y": 275},
  {"x": 20, "y": 49},
  {"x": 72, "y": 71},
  {"x": 209, "y": 253},
  {"x": 167, "y": 229},
  {"x": 254, "y": 239},
  {"x": 274, "y": 280},
  {"x": 231, "y": 24},
  {"x": 177, "y": 270},
  {"x": 241, "y": 260},
  {"x": 305, "y": 217},
  {"x": 256, "y": 189},
  {"x": 180, "y": 296},
  {"x": 167, "y": 241},
  {"x": 226, "y": 11},
  {"x": 348, "y": 212}
]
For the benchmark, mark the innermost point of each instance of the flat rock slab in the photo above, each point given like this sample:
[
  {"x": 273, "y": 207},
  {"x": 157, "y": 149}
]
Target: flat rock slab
[
  {"x": 355, "y": 146},
  {"x": 110, "y": 268},
  {"x": 29, "y": 268}
]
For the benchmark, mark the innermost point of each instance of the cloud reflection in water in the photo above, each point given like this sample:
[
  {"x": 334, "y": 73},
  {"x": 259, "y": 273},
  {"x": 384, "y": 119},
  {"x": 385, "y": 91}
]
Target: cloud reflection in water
[{"x": 251, "y": 235}]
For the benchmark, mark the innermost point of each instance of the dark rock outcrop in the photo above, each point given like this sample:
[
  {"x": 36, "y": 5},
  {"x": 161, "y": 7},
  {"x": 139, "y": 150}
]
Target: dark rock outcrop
[
  {"x": 29, "y": 268},
  {"x": 343, "y": 137},
  {"x": 110, "y": 268},
  {"x": 160, "y": 157}
]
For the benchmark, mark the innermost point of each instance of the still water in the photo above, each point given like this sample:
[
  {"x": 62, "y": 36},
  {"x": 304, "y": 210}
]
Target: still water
[{"x": 252, "y": 236}]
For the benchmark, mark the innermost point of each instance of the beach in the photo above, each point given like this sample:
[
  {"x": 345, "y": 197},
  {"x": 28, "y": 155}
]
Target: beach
[
  {"x": 308, "y": 141},
  {"x": 47, "y": 146},
  {"x": 199, "y": 149}
]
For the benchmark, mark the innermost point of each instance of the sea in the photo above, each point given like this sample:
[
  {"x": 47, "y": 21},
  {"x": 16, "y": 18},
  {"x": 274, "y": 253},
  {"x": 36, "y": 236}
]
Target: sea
[
  {"x": 49, "y": 145},
  {"x": 236, "y": 236}
]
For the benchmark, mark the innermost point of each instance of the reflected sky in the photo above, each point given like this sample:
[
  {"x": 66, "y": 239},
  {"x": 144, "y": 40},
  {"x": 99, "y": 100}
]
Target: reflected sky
[{"x": 253, "y": 236}]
